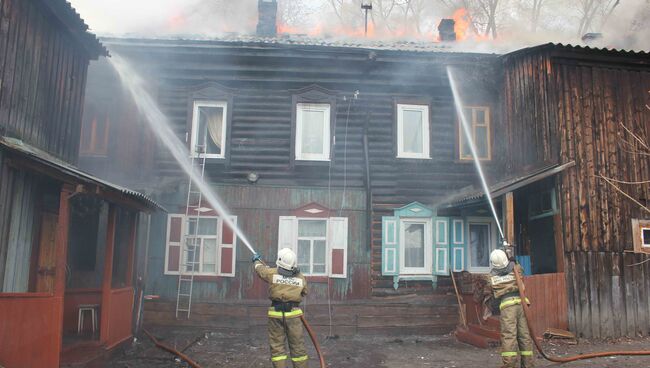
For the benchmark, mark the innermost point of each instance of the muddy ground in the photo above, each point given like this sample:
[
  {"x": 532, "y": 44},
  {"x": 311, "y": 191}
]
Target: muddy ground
[{"x": 216, "y": 349}]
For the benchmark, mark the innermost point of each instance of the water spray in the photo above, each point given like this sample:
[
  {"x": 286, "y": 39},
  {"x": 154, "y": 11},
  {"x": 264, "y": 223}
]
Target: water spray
[
  {"x": 470, "y": 141},
  {"x": 160, "y": 125}
]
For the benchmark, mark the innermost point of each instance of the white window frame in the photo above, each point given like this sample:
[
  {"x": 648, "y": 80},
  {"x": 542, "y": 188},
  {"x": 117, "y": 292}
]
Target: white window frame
[
  {"x": 195, "y": 131},
  {"x": 216, "y": 237},
  {"x": 424, "y": 109},
  {"x": 493, "y": 241},
  {"x": 311, "y": 247},
  {"x": 428, "y": 247},
  {"x": 461, "y": 134},
  {"x": 321, "y": 107}
]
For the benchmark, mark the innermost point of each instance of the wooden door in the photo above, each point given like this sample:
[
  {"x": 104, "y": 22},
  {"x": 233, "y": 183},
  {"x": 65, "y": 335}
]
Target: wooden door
[{"x": 46, "y": 265}]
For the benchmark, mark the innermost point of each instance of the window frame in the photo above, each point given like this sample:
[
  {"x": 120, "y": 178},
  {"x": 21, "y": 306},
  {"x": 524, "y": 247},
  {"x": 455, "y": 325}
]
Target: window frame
[
  {"x": 217, "y": 237},
  {"x": 324, "y": 107},
  {"x": 196, "y": 104},
  {"x": 461, "y": 133},
  {"x": 428, "y": 247},
  {"x": 638, "y": 226},
  {"x": 492, "y": 236},
  {"x": 311, "y": 246},
  {"x": 426, "y": 130}
]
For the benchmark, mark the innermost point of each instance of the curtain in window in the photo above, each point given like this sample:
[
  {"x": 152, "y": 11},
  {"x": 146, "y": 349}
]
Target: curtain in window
[
  {"x": 412, "y": 131},
  {"x": 414, "y": 245},
  {"x": 479, "y": 237},
  {"x": 312, "y": 131},
  {"x": 215, "y": 126}
]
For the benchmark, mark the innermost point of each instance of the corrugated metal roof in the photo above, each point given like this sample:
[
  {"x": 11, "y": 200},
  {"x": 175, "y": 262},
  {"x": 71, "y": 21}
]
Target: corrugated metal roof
[
  {"x": 67, "y": 14},
  {"x": 304, "y": 40},
  {"x": 42, "y": 157},
  {"x": 582, "y": 48},
  {"x": 498, "y": 189}
]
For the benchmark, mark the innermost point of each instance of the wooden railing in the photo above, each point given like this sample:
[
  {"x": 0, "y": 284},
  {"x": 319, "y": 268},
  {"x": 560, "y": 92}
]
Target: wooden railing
[{"x": 121, "y": 315}]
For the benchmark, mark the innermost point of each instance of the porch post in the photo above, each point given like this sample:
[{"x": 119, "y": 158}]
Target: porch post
[
  {"x": 108, "y": 275},
  {"x": 131, "y": 252},
  {"x": 61, "y": 251},
  {"x": 509, "y": 204}
]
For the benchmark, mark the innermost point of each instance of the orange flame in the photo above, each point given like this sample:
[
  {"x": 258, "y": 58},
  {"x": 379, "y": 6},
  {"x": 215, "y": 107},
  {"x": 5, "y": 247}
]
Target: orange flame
[{"x": 461, "y": 17}]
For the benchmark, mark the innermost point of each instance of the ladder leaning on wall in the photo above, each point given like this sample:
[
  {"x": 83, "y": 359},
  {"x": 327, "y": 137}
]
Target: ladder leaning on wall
[{"x": 191, "y": 244}]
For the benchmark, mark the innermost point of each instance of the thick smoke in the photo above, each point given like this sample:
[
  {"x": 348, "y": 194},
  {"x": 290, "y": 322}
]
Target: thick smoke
[{"x": 624, "y": 24}]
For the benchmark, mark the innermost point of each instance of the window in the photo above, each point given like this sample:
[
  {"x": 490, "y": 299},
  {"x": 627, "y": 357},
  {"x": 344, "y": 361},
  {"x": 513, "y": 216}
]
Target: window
[
  {"x": 312, "y": 132},
  {"x": 209, "y": 243},
  {"x": 312, "y": 246},
  {"x": 321, "y": 243},
  {"x": 482, "y": 240},
  {"x": 478, "y": 117},
  {"x": 209, "y": 129},
  {"x": 415, "y": 236},
  {"x": 641, "y": 235},
  {"x": 412, "y": 131},
  {"x": 542, "y": 204}
]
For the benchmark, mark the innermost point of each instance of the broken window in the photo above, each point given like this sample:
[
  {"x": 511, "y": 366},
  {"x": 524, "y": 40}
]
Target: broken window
[
  {"x": 312, "y": 132},
  {"x": 478, "y": 119},
  {"x": 209, "y": 243},
  {"x": 412, "y": 131},
  {"x": 209, "y": 129}
]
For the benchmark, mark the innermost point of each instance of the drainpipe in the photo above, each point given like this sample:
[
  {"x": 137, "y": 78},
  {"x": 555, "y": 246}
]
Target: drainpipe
[{"x": 368, "y": 186}]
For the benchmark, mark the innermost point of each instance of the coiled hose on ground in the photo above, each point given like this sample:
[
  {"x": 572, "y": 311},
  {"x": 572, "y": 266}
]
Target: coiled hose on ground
[{"x": 522, "y": 295}]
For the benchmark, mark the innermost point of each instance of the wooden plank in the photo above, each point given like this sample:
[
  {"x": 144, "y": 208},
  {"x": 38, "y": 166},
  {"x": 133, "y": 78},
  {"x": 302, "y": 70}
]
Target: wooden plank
[
  {"x": 603, "y": 272},
  {"x": 596, "y": 313},
  {"x": 618, "y": 298},
  {"x": 510, "y": 217},
  {"x": 8, "y": 79},
  {"x": 105, "y": 320}
]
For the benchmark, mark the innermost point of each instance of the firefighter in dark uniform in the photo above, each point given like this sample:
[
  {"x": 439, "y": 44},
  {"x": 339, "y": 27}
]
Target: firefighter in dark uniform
[
  {"x": 287, "y": 286},
  {"x": 515, "y": 336}
]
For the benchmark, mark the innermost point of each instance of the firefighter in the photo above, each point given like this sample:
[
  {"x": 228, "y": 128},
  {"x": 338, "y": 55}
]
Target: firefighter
[
  {"x": 287, "y": 287},
  {"x": 515, "y": 336}
]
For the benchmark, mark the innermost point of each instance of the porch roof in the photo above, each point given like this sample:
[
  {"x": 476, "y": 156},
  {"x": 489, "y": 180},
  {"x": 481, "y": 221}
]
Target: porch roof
[
  {"x": 44, "y": 162},
  {"x": 474, "y": 196}
]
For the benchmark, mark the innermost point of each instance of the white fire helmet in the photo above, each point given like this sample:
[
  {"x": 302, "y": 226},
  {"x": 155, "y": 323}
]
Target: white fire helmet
[
  {"x": 287, "y": 259},
  {"x": 498, "y": 259}
]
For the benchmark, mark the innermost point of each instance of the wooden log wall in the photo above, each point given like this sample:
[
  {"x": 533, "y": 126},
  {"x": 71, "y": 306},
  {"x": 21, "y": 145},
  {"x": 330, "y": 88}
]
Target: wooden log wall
[
  {"x": 43, "y": 74},
  {"x": 262, "y": 78},
  {"x": 591, "y": 96}
]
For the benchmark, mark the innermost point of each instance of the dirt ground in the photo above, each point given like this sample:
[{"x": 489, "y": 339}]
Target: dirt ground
[{"x": 215, "y": 349}]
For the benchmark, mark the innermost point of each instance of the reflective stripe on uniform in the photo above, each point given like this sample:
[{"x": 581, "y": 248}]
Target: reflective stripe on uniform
[
  {"x": 278, "y": 358},
  {"x": 511, "y": 301},
  {"x": 294, "y": 313},
  {"x": 509, "y": 354},
  {"x": 527, "y": 353},
  {"x": 300, "y": 358}
]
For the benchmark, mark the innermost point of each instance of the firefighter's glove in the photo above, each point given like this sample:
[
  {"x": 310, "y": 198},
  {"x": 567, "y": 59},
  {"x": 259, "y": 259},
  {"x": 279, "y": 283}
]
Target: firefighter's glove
[{"x": 257, "y": 257}]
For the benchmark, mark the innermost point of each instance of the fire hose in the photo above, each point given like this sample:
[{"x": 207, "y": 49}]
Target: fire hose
[{"x": 522, "y": 295}]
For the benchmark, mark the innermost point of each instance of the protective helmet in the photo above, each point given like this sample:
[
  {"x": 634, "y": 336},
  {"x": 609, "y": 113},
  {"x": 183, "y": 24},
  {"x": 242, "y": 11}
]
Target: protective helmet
[
  {"x": 498, "y": 259},
  {"x": 287, "y": 259}
]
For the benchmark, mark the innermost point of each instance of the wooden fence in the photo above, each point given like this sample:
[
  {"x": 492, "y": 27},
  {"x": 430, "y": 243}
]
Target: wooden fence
[{"x": 548, "y": 296}]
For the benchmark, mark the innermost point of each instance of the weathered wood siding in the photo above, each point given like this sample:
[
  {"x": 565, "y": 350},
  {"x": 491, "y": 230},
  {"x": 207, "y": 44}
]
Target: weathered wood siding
[
  {"x": 258, "y": 210},
  {"x": 590, "y": 97},
  {"x": 43, "y": 74}
]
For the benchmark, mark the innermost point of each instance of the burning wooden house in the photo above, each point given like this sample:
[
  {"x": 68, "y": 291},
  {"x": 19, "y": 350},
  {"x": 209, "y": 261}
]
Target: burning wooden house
[
  {"x": 68, "y": 240},
  {"x": 351, "y": 153}
]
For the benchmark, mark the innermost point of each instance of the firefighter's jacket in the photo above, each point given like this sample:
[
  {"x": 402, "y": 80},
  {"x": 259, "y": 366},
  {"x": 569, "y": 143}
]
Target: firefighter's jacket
[
  {"x": 282, "y": 288},
  {"x": 503, "y": 282}
]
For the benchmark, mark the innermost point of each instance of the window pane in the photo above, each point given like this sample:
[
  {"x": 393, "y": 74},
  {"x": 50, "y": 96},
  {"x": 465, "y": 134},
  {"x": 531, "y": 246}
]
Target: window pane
[
  {"x": 312, "y": 139},
  {"x": 646, "y": 237},
  {"x": 207, "y": 226},
  {"x": 412, "y": 131},
  {"x": 320, "y": 249},
  {"x": 209, "y": 255},
  {"x": 414, "y": 245},
  {"x": 465, "y": 151},
  {"x": 210, "y": 128},
  {"x": 480, "y": 116},
  {"x": 481, "y": 140},
  {"x": 312, "y": 228},
  {"x": 479, "y": 240},
  {"x": 303, "y": 255},
  {"x": 193, "y": 254}
]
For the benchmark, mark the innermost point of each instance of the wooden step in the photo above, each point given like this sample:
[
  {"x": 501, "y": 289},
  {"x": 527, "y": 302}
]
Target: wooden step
[
  {"x": 468, "y": 337},
  {"x": 485, "y": 330},
  {"x": 493, "y": 322}
]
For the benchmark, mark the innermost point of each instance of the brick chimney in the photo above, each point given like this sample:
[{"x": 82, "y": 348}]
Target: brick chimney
[
  {"x": 446, "y": 30},
  {"x": 267, "y": 18}
]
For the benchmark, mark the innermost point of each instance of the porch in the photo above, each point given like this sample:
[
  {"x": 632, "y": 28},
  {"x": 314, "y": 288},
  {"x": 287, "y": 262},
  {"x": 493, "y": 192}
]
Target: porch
[{"x": 67, "y": 254}]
